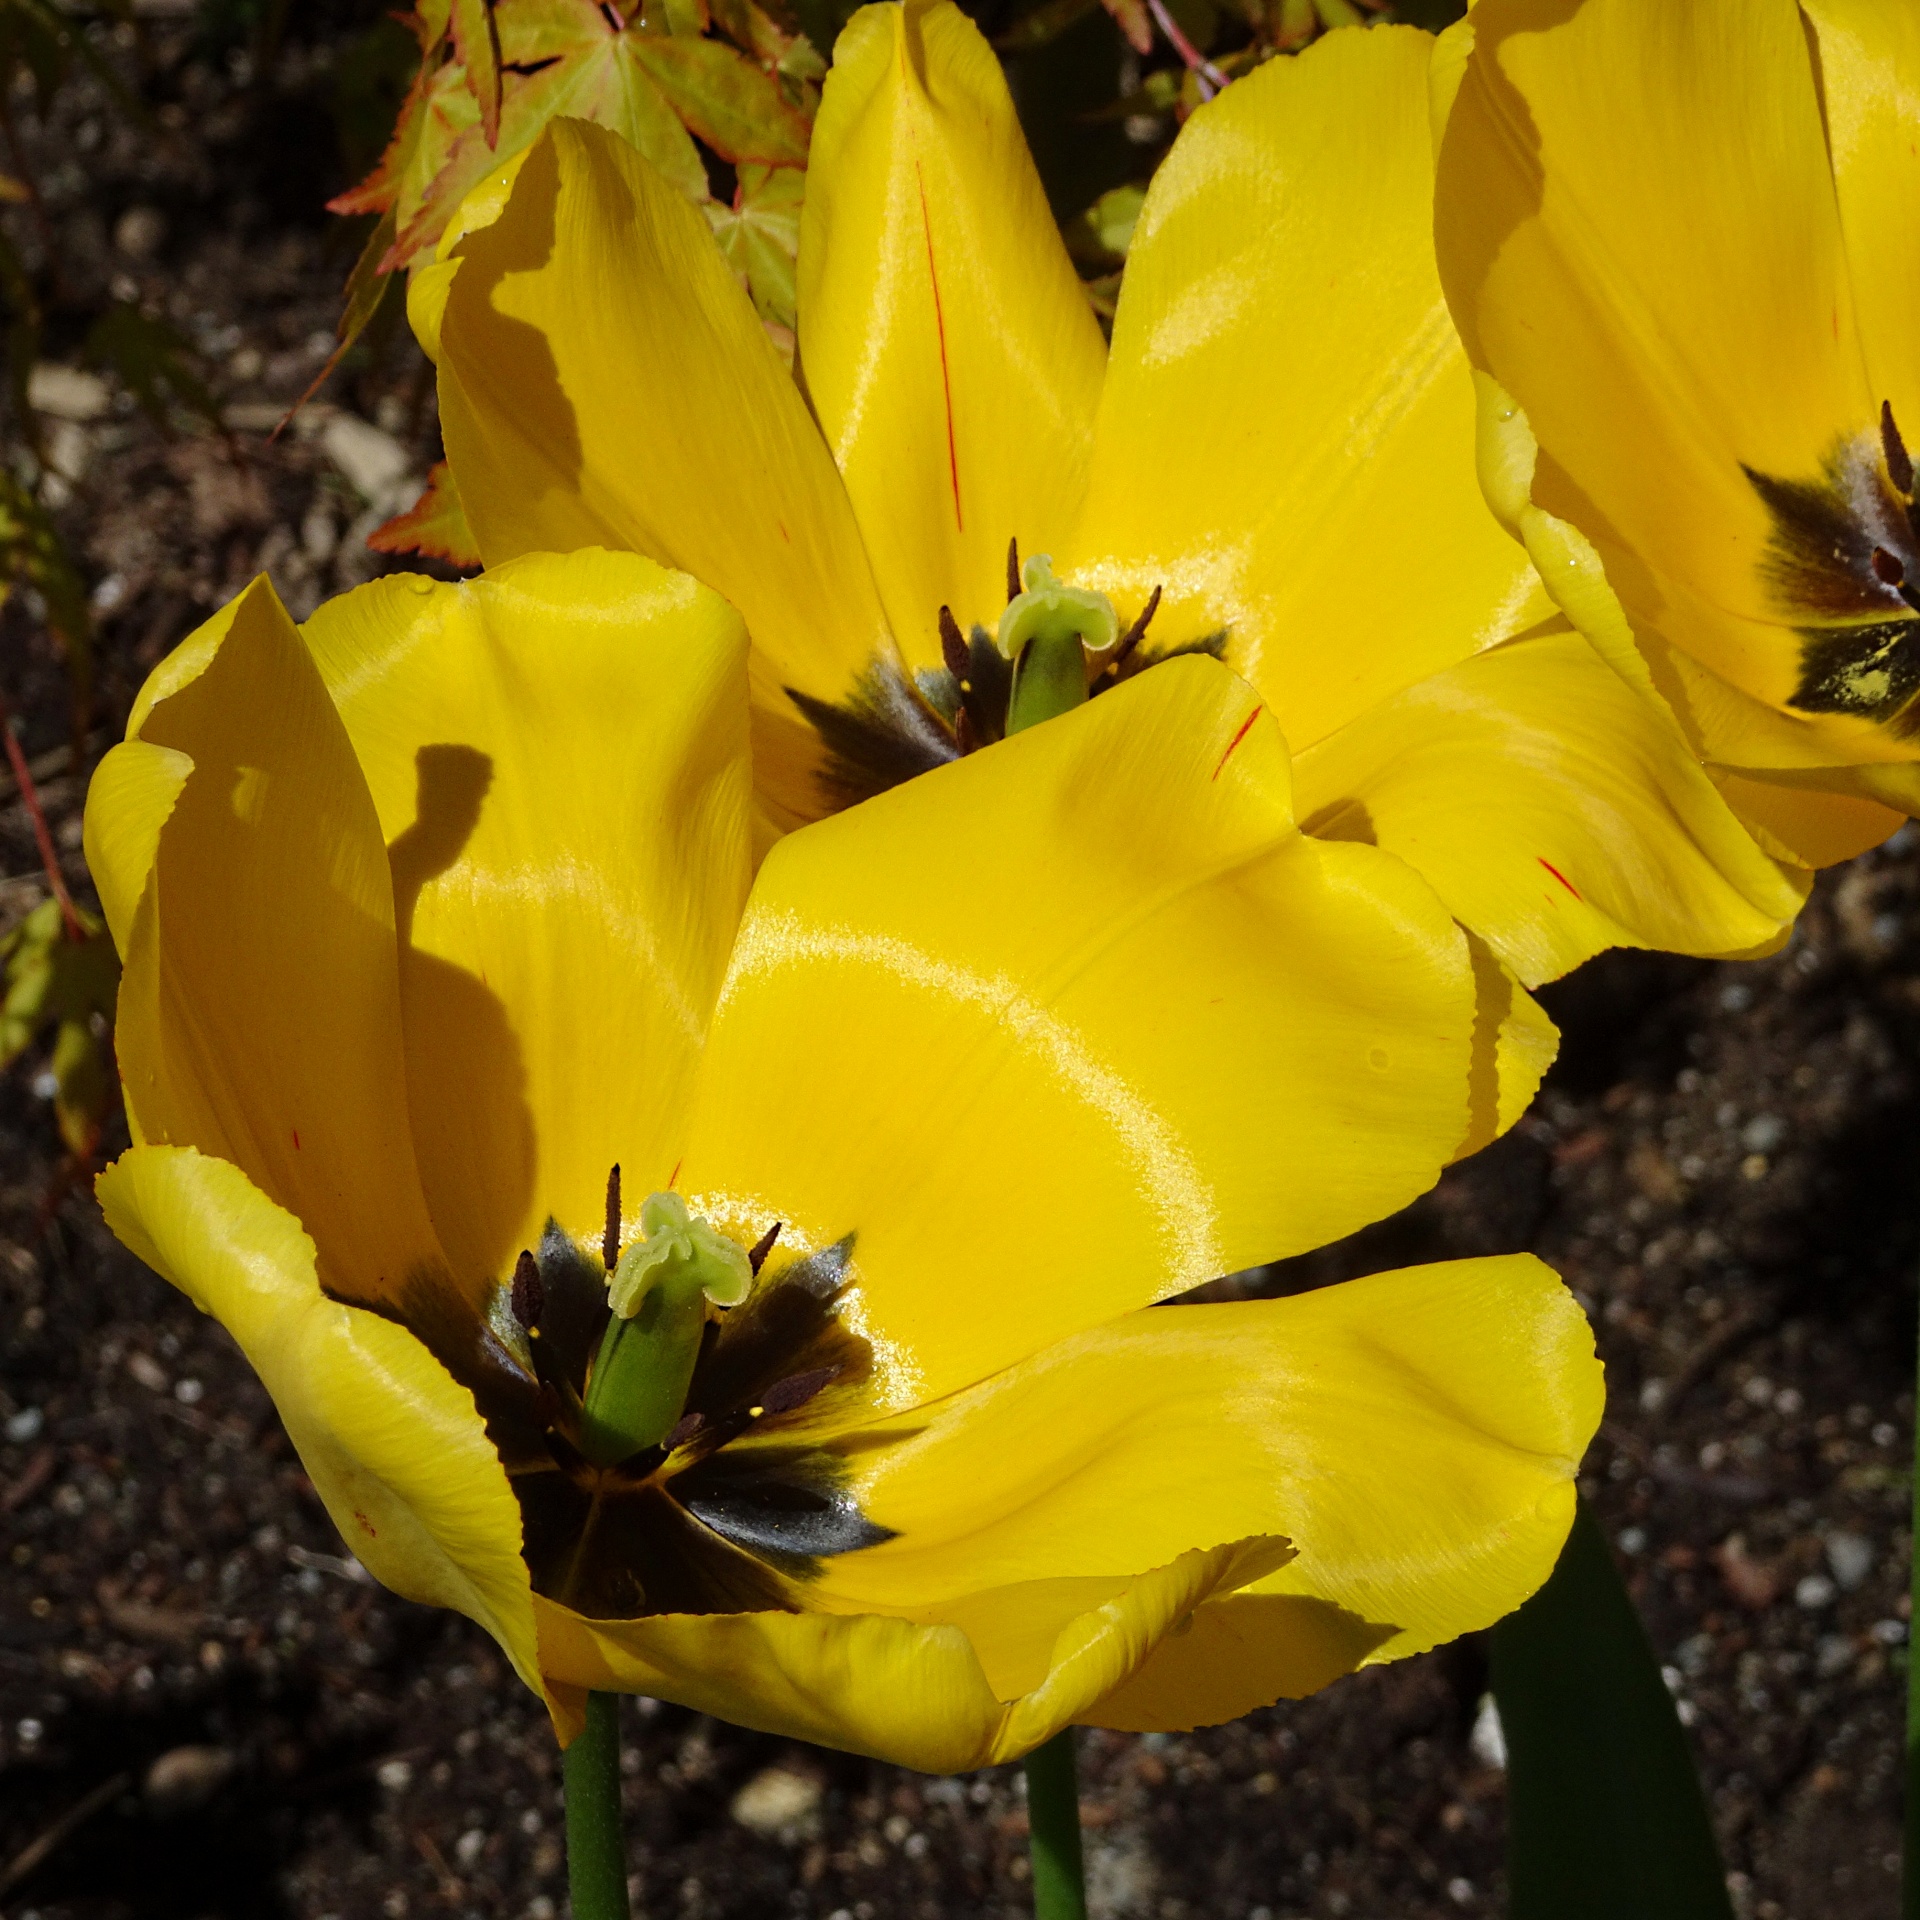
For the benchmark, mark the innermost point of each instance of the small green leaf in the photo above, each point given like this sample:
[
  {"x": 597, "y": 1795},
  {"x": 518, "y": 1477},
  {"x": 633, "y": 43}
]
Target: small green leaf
[
  {"x": 32, "y": 554},
  {"x": 760, "y": 235},
  {"x": 733, "y": 105},
  {"x": 1605, "y": 1816}
]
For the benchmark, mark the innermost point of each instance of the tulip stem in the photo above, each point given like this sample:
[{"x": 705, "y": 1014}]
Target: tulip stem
[
  {"x": 1053, "y": 1830},
  {"x": 596, "y": 1845}
]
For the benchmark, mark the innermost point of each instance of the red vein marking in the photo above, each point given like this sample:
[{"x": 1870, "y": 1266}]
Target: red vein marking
[
  {"x": 1558, "y": 875},
  {"x": 946, "y": 377},
  {"x": 1237, "y": 738},
  {"x": 673, "y": 1179},
  {"x": 296, "y": 1139}
]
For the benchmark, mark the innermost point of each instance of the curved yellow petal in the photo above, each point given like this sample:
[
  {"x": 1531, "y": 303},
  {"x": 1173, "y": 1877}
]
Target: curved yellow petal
[
  {"x": 906, "y": 1691},
  {"x": 128, "y": 800},
  {"x": 949, "y": 351},
  {"x": 1555, "y": 810},
  {"x": 558, "y": 755},
  {"x": 393, "y": 1446},
  {"x": 1285, "y": 442},
  {"x": 1414, "y": 1436},
  {"x": 605, "y": 382},
  {"x": 259, "y": 1010},
  {"x": 1806, "y": 825},
  {"x": 1075, "y": 1023},
  {"x": 1869, "y": 76},
  {"x": 1654, "y": 269}
]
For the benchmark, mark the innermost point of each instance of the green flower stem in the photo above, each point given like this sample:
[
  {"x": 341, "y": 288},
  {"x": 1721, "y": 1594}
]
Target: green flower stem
[
  {"x": 596, "y": 1846},
  {"x": 1053, "y": 1827},
  {"x": 1910, "y": 1879}
]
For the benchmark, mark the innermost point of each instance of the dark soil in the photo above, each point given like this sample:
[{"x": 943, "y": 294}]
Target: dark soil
[{"x": 207, "y": 1711}]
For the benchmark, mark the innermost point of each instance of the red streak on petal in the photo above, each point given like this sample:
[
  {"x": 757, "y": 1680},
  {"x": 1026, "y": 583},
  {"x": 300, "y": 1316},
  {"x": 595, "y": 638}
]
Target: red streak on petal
[
  {"x": 1237, "y": 738},
  {"x": 296, "y": 1139},
  {"x": 940, "y": 327},
  {"x": 1558, "y": 875},
  {"x": 673, "y": 1179}
]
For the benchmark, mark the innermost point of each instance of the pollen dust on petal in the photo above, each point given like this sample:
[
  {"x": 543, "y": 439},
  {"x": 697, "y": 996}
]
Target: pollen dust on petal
[
  {"x": 1558, "y": 875},
  {"x": 1245, "y": 726}
]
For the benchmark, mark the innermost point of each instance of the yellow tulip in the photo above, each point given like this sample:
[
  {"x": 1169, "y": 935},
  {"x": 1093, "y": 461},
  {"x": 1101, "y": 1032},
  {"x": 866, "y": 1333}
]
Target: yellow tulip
[
  {"x": 438, "y": 910},
  {"x": 1682, "y": 243},
  {"x": 1273, "y": 464}
]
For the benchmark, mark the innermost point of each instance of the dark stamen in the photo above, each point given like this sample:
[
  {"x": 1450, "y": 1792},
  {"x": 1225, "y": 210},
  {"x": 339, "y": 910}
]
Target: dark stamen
[
  {"x": 1887, "y": 568},
  {"x": 953, "y": 649},
  {"x": 683, "y": 1430},
  {"x": 529, "y": 1296},
  {"x": 795, "y": 1391},
  {"x": 963, "y": 735},
  {"x": 1013, "y": 568},
  {"x": 757, "y": 1253},
  {"x": 610, "y": 1240},
  {"x": 1899, "y": 461},
  {"x": 1132, "y": 637}
]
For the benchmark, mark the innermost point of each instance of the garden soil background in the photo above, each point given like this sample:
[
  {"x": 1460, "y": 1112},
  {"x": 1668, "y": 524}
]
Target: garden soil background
[{"x": 208, "y": 1713}]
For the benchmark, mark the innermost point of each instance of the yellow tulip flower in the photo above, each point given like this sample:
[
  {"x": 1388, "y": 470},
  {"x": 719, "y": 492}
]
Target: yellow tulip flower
[
  {"x": 438, "y": 911},
  {"x": 1684, "y": 241},
  {"x": 1274, "y": 464}
]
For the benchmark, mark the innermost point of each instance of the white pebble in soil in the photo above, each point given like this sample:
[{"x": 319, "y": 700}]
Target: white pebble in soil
[{"x": 1850, "y": 1556}]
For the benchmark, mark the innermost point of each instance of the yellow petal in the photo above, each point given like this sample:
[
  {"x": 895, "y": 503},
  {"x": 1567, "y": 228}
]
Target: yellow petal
[
  {"x": 1806, "y": 824},
  {"x": 1075, "y": 1023},
  {"x": 558, "y": 755},
  {"x": 604, "y": 382},
  {"x": 1553, "y": 809},
  {"x": 1285, "y": 440},
  {"x": 1870, "y": 86},
  {"x": 260, "y": 1006},
  {"x": 1654, "y": 269},
  {"x": 1414, "y": 1436},
  {"x": 900, "y": 1690},
  {"x": 393, "y": 1446},
  {"x": 128, "y": 800},
  {"x": 951, "y": 355}
]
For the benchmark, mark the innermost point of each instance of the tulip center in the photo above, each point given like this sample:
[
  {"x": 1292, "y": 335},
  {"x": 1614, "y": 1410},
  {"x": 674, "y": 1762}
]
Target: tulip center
[
  {"x": 657, "y": 1297},
  {"x": 1843, "y": 562},
  {"x": 667, "y": 1414},
  {"x": 1052, "y": 648}
]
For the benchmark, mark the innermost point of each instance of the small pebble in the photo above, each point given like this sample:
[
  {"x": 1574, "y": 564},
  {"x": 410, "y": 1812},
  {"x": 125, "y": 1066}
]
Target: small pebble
[
  {"x": 1814, "y": 1592},
  {"x": 1489, "y": 1738},
  {"x": 25, "y": 1425},
  {"x": 395, "y": 1775},
  {"x": 779, "y": 1804},
  {"x": 140, "y": 232},
  {"x": 1765, "y": 1133},
  {"x": 184, "y": 1778},
  {"x": 1851, "y": 1556},
  {"x": 469, "y": 1847}
]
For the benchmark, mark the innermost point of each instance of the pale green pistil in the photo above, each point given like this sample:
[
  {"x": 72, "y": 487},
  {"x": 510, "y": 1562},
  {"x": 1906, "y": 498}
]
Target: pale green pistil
[
  {"x": 1047, "y": 632},
  {"x": 659, "y": 1294}
]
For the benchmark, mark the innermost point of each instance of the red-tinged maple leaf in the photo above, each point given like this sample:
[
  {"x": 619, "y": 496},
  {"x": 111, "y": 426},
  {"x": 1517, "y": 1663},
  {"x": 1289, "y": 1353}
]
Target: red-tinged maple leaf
[
  {"x": 435, "y": 524},
  {"x": 557, "y": 57},
  {"x": 476, "y": 45},
  {"x": 381, "y": 188}
]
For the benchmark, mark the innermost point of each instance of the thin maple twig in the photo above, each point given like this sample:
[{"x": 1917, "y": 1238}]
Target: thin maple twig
[
  {"x": 1202, "y": 69},
  {"x": 42, "y": 834}
]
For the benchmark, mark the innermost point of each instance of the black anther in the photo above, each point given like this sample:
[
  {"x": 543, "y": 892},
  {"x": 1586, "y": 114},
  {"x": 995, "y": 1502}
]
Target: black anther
[
  {"x": 1013, "y": 568},
  {"x": 610, "y": 1239},
  {"x": 953, "y": 649},
  {"x": 963, "y": 734},
  {"x": 1132, "y": 637},
  {"x": 683, "y": 1430},
  {"x": 529, "y": 1296},
  {"x": 1887, "y": 568},
  {"x": 757, "y": 1253},
  {"x": 796, "y": 1390}
]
